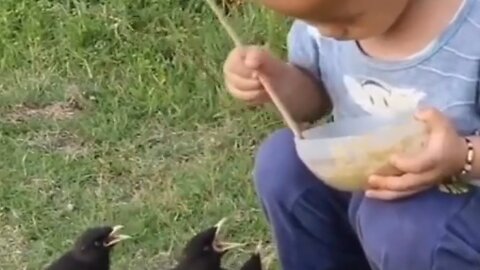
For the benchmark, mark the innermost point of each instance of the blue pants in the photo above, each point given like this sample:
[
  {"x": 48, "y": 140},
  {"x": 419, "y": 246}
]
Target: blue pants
[{"x": 316, "y": 227}]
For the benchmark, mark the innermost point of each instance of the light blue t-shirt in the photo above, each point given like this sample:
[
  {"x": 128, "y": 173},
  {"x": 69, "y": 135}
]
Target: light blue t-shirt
[{"x": 444, "y": 75}]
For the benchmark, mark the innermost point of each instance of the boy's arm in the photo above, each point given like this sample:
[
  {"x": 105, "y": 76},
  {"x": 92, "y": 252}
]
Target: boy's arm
[{"x": 305, "y": 95}]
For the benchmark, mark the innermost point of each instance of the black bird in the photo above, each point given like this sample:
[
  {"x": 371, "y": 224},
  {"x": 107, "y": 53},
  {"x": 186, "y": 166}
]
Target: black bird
[
  {"x": 204, "y": 251},
  {"x": 91, "y": 250},
  {"x": 254, "y": 262}
]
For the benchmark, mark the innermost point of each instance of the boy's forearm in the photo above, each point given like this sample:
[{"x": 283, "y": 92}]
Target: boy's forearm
[{"x": 304, "y": 96}]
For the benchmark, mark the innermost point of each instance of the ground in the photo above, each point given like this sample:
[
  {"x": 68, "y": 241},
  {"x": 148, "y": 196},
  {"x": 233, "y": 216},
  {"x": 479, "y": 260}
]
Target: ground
[{"x": 113, "y": 112}]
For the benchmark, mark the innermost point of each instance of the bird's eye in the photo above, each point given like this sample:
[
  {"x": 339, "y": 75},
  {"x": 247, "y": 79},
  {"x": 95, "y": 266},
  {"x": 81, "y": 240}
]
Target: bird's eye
[
  {"x": 206, "y": 248},
  {"x": 97, "y": 243}
]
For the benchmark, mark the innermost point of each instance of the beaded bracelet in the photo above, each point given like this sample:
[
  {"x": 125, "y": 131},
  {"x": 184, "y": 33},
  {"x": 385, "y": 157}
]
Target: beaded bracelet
[{"x": 467, "y": 168}]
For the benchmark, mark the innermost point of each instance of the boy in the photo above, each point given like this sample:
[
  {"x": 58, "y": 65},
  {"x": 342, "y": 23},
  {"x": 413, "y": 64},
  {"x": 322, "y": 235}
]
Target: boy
[{"x": 359, "y": 57}]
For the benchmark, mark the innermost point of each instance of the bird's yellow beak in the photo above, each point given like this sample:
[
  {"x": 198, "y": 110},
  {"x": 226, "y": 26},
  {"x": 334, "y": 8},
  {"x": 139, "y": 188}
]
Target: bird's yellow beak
[
  {"x": 258, "y": 249},
  {"x": 114, "y": 237},
  {"x": 221, "y": 246}
]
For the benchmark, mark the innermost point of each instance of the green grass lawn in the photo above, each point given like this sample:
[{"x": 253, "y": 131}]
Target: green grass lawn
[{"x": 114, "y": 112}]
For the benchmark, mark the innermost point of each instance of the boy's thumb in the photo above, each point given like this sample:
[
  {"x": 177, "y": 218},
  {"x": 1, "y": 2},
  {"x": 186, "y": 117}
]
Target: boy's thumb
[{"x": 262, "y": 61}]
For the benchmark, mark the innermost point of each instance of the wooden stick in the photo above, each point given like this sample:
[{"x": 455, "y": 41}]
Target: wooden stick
[
  {"x": 221, "y": 17},
  {"x": 286, "y": 115}
]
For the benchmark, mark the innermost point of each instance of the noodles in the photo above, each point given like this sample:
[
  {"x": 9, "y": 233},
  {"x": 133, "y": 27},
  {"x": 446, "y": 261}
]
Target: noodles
[{"x": 353, "y": 161}]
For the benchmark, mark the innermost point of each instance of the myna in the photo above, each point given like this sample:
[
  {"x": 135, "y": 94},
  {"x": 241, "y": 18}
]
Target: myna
[
  {"x": 254, "y": 262},
  {"x": 204, "y": 251},
  {"x": 91, "y": 250}
]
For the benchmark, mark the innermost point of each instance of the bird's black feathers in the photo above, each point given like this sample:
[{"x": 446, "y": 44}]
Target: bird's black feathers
[
  {"x": 204, "y": 251},
  {"x": 253, "y": 263},
  {"x": 91, "y": 250},
  {"x": 199, "y": 252}
]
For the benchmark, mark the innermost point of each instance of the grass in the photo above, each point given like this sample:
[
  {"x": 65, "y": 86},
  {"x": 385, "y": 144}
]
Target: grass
[{"x": 114, "y": 112}]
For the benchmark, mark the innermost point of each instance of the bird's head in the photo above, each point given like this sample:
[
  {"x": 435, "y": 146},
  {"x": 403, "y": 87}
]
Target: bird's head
[
  {"x": 96, "y": 243},
  {"x": 206, "y": 245}
]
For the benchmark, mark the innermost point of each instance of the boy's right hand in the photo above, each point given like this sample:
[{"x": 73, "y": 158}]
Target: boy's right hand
[{"x": 241, "y": 70}]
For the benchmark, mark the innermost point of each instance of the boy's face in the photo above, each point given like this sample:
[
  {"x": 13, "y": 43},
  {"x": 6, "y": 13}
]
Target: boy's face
[{"x": 343, "y": 19}]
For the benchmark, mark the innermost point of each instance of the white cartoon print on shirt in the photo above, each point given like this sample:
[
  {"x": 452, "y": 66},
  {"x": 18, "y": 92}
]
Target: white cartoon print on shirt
[{"x": 379, "y": 98}]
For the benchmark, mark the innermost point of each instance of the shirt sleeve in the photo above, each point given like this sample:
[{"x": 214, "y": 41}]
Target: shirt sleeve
[{"x": 303, "y": 48}]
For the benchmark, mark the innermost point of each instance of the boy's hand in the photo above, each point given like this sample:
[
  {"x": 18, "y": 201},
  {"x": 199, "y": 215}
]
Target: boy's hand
[
  {"x": 444, "y": 156},
  {"x": 242, "y": 68}
]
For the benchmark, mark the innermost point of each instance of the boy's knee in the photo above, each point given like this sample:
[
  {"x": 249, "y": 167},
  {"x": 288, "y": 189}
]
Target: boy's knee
[
  {"x": 272, "y": 164},
  {"x": 278, "y": 172},
  {"x": 421, "y": 230},
  {"x": 389, "y": 238}
]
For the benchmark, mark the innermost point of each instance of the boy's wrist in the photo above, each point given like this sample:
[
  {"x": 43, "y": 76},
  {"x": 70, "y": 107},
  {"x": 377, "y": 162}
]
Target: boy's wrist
[{"x": 466, "y": 158}]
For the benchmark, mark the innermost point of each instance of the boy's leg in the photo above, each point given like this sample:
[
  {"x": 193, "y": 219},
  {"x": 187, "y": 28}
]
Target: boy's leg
[
  {"x": 431, "y": 230},
  {"x": 309, "y": 220}
]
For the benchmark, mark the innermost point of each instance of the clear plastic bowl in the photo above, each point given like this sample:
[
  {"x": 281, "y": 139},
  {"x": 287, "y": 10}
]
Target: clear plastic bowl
[{"x": 344, "y": 154}]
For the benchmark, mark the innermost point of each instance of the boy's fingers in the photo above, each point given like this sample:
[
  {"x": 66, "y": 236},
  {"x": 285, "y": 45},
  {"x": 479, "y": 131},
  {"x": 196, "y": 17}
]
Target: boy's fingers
[
  {"x": 265, "y": 63},
  {"x": 248, "y": 62},
  {"x": 236, "y": 63},
  {"x": 414, "y": 164},
  {"x": 248, "y": 96},
  {"x": 243, "y": 83},
  {"x": 392, "y": 195},
  {"x": 255, "y": 57},
  {"x": 238, "y": 68},
  {"x": 402, "y": 183},
  {"x": 433, "y": 118}
]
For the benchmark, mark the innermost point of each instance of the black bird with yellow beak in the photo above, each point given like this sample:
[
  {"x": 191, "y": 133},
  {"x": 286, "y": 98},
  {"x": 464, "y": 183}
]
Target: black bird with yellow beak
[
  {"x": 91, "y": 250},
  {"x": 204, "y": 251}
]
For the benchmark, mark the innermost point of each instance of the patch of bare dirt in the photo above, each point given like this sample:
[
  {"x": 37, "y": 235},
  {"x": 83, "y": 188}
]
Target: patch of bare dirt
[
  {"x": 58, "y": 141},
  {"x": 63, "y": 110},
  {"x": 57, "y": 111},
  {"x": 13, "y": 247}
]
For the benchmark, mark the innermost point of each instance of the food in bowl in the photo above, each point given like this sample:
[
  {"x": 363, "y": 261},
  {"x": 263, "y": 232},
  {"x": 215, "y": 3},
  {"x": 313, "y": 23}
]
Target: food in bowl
[{"x": 344, "y": 154}]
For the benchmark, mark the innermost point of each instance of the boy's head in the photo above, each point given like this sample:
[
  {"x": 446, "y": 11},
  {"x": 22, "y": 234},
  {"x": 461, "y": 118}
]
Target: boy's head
[{"x": 343, "y": 19}]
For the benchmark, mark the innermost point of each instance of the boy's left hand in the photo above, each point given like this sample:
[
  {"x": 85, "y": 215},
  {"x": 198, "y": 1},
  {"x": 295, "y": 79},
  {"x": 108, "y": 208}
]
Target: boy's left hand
[{"x": 443, "y": 156}]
